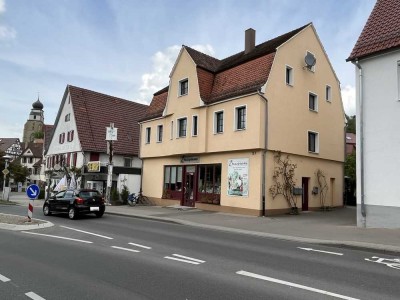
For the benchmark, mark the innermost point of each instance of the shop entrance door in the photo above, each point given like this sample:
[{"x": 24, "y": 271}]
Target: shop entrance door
[
  {"x": 189, "y": 191},
  {"x": 304, "y": 183}
]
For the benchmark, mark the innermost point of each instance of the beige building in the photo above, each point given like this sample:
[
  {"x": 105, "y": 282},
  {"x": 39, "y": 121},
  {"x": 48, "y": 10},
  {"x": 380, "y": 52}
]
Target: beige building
[{"x": 209, "y": 139}]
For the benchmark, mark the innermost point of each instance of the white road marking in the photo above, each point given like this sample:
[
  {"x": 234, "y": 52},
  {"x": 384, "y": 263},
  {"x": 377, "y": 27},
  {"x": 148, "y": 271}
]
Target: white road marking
[
  {"x": 299, "y": 286},
  {"x": 58, "y": 237},
  {"x": 392, "y": 263},
  {"x": 126, "y": 249},
  {"x": 4, "y": 278},
  {"x": 321, "y": 251},
  {"x": 138, "y": 245},
  {"x": 185, "y": 259},
  {"x": 34, "y": 296},
  {"x": 99, "y": 235}
]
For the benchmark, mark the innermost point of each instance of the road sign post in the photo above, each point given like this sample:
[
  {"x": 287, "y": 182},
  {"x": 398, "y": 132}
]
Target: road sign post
[{"x": 32, "y": 192}]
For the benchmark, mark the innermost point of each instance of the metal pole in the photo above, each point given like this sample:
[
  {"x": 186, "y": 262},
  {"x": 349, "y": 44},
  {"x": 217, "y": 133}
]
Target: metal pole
[{"x": 4, "y": 179}]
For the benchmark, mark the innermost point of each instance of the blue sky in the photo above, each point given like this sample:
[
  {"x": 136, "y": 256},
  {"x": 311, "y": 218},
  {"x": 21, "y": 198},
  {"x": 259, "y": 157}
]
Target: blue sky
[{"x": 126, "y": 48}]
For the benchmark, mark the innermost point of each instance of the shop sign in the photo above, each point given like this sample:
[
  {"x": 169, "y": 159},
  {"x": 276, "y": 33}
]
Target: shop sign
[
  {"x": 93, "y": 166},
  {"x": 190, "y": 160},
  {"x": 238, "y": 177}
]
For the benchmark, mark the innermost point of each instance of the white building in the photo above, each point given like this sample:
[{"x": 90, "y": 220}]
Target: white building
[
  {"x": 376, "y": 56},
  {"x": 79, "y": 139}
]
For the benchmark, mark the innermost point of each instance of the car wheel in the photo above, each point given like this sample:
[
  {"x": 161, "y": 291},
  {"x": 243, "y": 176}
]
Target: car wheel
[
  {"x": 46, "y": 210},
  {"x": 72, "y": 213},
  {"x": 99, "y": 214}
]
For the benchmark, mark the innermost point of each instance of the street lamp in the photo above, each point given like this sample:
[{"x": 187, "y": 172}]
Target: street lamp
[{"x": 5, "y": 172}]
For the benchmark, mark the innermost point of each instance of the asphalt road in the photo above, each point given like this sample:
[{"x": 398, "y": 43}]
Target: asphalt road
[{"x": 126, "y": 258}]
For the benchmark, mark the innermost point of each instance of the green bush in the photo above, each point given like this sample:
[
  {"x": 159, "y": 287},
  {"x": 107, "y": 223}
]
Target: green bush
[
  {"x": 115, "y": 197},
  {"x": 124, "y": 195}
]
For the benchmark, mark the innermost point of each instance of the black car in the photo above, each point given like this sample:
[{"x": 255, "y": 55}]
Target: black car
[{"x": 75, "y": 202}]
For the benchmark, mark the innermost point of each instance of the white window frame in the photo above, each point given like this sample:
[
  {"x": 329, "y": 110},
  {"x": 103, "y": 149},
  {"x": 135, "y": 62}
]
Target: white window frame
[
  {"x": 197, "y": 125},
  {"x": 215, "y": 121},
  {"x": 316, "y": 146},
  {"x": 315, "y": 102},
  {"x": 127, "y": 159},
  {"x": 313, "y": 67},
  {"x": 148, "y": 135},
  {"x": 178, "y": 123},
  {"x": 160, "y": 138},
  {"x": 172, "y": 131},
  {"x": 235, "y": 125},
  {"x": 328, "y": 93},
  {"x": 179, "y": 87},
  {"x": 289, "y": 82}
]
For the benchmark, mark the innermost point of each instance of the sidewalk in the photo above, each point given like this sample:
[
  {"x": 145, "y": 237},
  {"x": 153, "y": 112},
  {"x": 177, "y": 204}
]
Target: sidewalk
[{"x": 337, "y": 227}]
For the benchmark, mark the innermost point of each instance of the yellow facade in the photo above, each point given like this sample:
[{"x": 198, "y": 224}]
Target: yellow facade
[{"x": 277, "y": 119}]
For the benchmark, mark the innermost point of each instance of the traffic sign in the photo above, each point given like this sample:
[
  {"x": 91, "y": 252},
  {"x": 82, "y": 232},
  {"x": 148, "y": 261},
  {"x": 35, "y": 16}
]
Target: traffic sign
[
  {"x": 32, "y": 191},
  {"x": 5, "y": 172}
]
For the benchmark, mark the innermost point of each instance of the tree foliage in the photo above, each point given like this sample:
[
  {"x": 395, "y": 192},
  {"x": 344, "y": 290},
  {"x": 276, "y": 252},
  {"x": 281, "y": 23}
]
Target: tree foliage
[
  {"x": 350, "y": 167},
  {"x": 351, "y": 124},
  {"x": 18, "y": 171}
]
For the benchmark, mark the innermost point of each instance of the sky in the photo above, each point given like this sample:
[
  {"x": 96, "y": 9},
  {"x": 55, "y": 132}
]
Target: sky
[{"x": 127, "y": 48}]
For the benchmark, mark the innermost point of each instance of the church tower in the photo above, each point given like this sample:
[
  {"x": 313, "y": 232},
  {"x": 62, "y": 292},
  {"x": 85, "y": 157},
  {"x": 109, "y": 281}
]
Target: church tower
[{"x": 35, "y": 123}]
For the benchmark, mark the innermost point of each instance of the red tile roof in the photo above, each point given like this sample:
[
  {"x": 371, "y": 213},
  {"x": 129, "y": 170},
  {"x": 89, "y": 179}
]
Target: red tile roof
[
  {"x": 36, "y": 149},
  {"x": 48, "y": 134},
  {"x": 95, "y": 111},
  {"x": 237, "y": 75},
  {"x": 381, "y": 32}
]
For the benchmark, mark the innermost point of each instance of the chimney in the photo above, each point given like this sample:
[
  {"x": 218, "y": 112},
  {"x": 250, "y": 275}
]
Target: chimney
[{"x": 250, "y": 40}]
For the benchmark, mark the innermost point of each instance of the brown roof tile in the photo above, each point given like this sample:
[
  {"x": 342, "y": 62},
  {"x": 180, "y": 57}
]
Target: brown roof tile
[
  {"x": 381, "y": 32},
  {"x": 233, "y": 76},
  {"x": 95, "y": 111},
  {"x": 36, "y": 148}
]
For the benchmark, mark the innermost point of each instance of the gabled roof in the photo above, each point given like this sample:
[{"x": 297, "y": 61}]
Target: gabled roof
[
  {"x": 381, "y": 32},
  {"x": 6, "y": 143},
  {"x": 36, "y": 149},
  {"x": 48, "y": 134},
  {"x": 95, "y": 111},
  {"x": 236, "y": 75}
]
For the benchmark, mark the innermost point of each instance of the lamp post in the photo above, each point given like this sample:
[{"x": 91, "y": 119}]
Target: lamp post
[{"x": 5, "y": 172}]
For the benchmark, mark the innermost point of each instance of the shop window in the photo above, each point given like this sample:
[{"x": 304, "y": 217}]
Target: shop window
[
  {"x": 209, "y": 184},
  {"x": 172, "y": 182}
]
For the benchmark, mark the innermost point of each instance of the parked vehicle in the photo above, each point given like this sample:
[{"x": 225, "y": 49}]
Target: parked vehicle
[
  {"x": 75, "y": 202},
  {"x": 134, "y": 199}
]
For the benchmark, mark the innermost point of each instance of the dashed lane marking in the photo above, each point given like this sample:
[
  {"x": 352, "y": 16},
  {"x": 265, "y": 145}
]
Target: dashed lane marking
[
  {"x": 34, "y": 296},
  {"x": 87, "y": 232},
  {"x": 125, "y": 249},
  {"x": 57, "y": 237},
  {"x": 291, "y": 284},
  {"x": 4, "y": 278},
  {"x": 185, "y": 259},
  {"x": 140, "y": 246}
]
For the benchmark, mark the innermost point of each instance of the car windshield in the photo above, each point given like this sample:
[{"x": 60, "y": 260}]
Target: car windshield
[{"x": 88, "y": 194}]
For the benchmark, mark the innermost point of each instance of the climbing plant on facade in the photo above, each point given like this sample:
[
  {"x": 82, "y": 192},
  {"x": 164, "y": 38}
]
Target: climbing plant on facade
[
  {"x": 323, "y": 188},
  {"x": 283, "y": 180}
]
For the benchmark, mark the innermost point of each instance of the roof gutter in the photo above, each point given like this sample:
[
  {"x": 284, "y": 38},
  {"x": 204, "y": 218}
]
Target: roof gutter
[{"x": 361, "y": 134}]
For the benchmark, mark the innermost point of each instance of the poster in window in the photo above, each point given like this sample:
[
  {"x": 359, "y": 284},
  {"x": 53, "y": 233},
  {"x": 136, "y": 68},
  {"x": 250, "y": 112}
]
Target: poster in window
[{"x": 238, "y": 177}]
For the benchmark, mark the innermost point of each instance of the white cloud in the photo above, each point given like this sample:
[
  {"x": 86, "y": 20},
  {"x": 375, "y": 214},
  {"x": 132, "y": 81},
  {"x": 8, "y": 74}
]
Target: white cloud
[
  {"x": 163, "y": 62},
  {"x": 349, "y": 99},
  {"x": 7, "y": 33},
  {"x": 2, "y": 6}
]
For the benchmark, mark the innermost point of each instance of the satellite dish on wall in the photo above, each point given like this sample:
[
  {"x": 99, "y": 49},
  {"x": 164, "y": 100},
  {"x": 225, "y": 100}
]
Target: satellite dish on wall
[{"x": 310, "y": 60}]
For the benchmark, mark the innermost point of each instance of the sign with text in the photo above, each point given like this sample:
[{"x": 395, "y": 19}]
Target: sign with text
[
  {"x": 111, "y": 133},
  {"x": 93, "y": 166},
  {"x": 238, "y": 177}
]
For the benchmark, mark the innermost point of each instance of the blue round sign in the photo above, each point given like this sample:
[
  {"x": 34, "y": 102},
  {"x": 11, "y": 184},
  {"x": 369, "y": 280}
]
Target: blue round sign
[{"x": 33, "y": 191}]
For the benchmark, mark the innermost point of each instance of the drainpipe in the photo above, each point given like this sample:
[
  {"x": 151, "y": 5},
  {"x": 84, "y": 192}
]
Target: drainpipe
[
  {"x": 361, "y": 152},
  {"x": 264, "y": 152}
]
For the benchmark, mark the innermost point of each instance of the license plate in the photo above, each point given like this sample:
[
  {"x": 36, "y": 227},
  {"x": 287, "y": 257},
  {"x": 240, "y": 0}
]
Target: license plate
[{"x": 94, "y": 208}]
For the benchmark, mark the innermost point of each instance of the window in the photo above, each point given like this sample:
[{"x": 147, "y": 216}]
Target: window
[
  {"x": 219, "y": 122},
  {"x": 209, "y": 183},
  {"x": 240, "y": 116},
  {"x": 70, "y": 136},
  {"x": 289, "y": 75},
  {"x": 159, "y": 133},
  {"x": 127, "y": 162},
  {"x": 182, "y": 124},
  {"x": 328, "y": 93},
  {"x": 183, "y": 87},
  {"x": 61, "y": 138},
  {"x": 67, "y": 117},
  {"x": 313, "y": 142},
  {"x": 194, "y": 125},
  {"x": 173, "y": 178},
  {"x": 148, "y": 134},
  {"x": 23, "y": 160},
  {"x": 30, "y": 160},
  {"x": 172, "y": 130},
  {"x": 312, "y": 102}
]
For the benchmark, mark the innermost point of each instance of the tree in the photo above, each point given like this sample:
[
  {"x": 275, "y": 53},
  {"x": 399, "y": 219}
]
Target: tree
[
  {"x": 351, "y": 124},
  {"x": 18, "y": 171},
  {"x": 350, "y": 167}
]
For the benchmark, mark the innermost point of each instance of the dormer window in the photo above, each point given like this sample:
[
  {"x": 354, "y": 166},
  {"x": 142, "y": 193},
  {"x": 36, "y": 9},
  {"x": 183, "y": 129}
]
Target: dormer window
[{"x": 183, "y": 87}]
